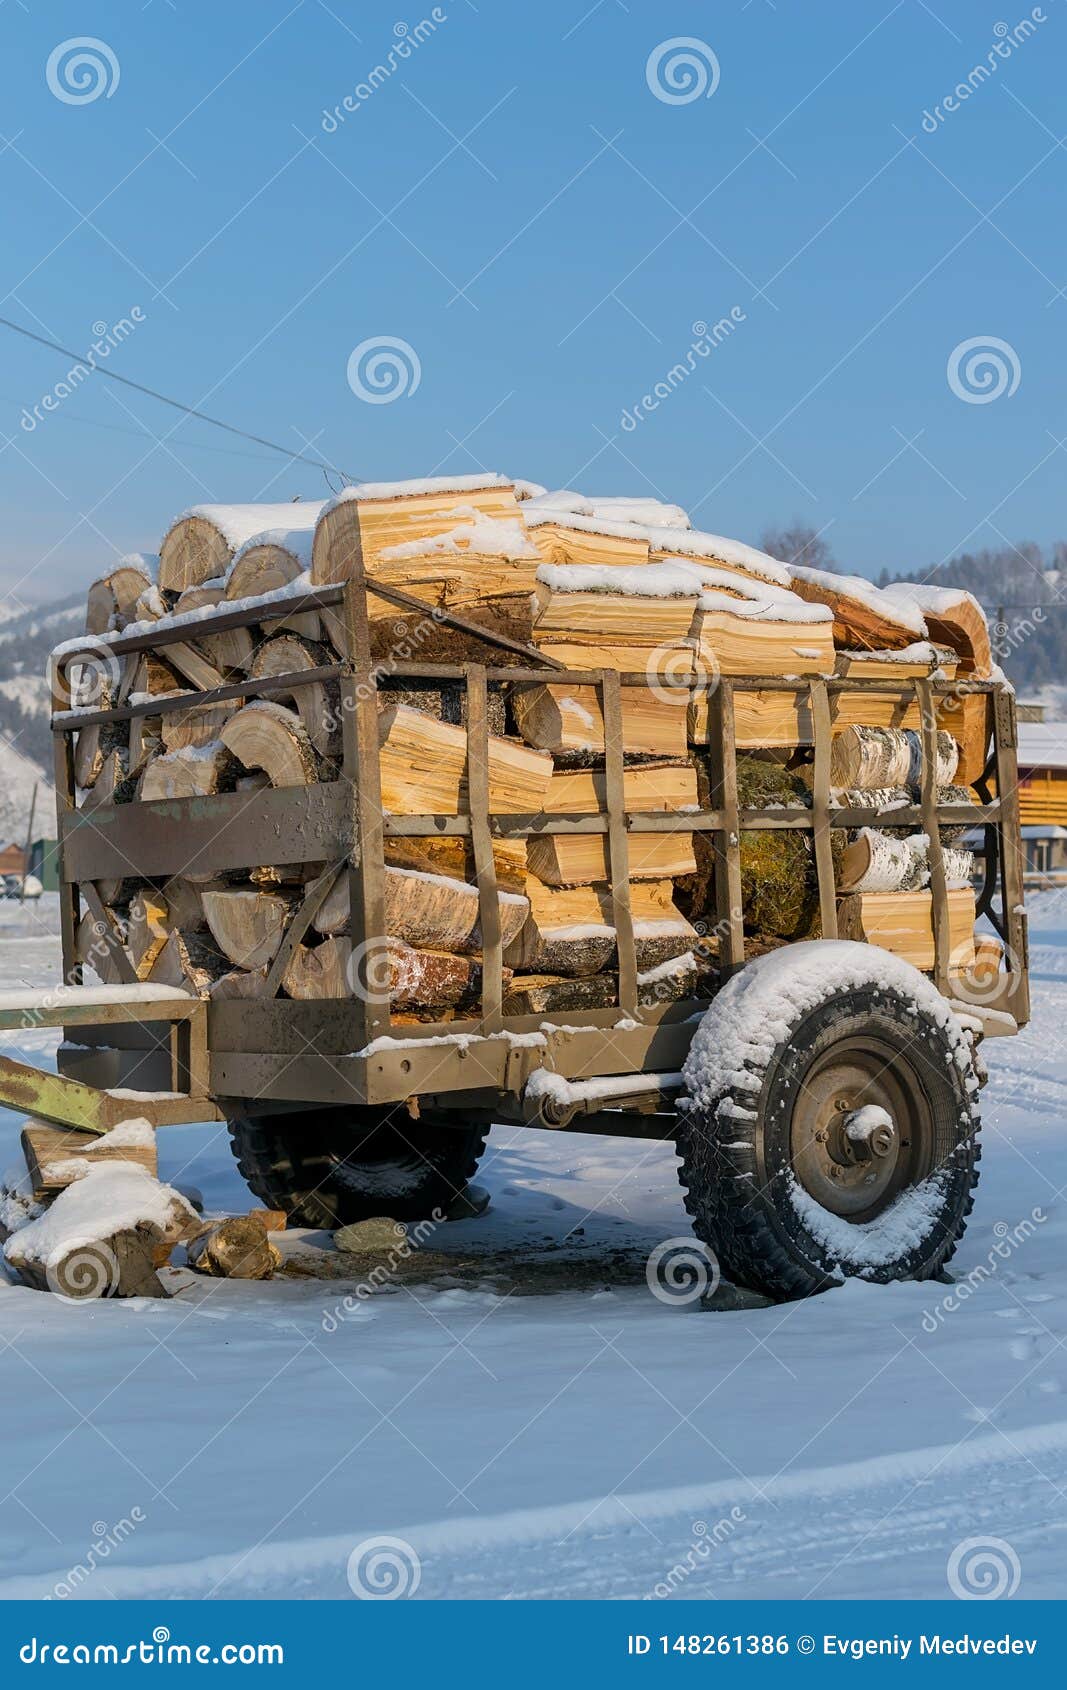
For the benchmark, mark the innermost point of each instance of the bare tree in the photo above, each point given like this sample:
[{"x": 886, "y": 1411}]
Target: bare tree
[{"x": 799, "y": 544}]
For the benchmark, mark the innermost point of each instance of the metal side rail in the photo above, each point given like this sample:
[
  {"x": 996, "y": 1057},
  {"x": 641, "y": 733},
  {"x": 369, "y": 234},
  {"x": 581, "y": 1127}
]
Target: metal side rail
[{"x": 66, "y": 1102}]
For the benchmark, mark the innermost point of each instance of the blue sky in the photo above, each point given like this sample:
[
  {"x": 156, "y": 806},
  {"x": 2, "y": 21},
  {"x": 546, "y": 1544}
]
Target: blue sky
[{"x": 517, "y": 204}]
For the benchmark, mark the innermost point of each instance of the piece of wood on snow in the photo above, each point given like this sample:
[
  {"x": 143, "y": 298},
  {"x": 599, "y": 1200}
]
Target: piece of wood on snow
[
  {"x": 570, "y": 930},
  {"x": 955, "y": 618},
  {"x": 902, "y": 922},
  {"x": 147, "y": 931},
  {"x": 201, "y": 543},
  {"x": 113, "y": 597},
  {"x": 194, "y": 772},
  {"x": 56, "y": 1157},
  {"x": 429, "y": 911},
  {"x": 316, "y": 704},
  {"x": 864, "y": 617},
  {"x": 559, "y": 718},
  {"x": 239, "y": 1247},
  {"x": 232, "y": 648},
  {"x": 267, "y": 736},
  {"x": 246, "y": 924},
  {"x": 400, "y": 513},
  {"x": 424, "y": 763}
]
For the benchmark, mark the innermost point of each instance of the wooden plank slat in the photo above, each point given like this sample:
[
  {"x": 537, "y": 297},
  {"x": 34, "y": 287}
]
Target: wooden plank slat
[
  {"x": 105, "y": 920},
  {"x": 820, "y": 808},
  {"x": 482, "y": 848}
]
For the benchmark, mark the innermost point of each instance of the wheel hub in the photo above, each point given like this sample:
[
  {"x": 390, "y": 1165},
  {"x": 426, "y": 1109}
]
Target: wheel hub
[{"x": 856, "y": 1123}]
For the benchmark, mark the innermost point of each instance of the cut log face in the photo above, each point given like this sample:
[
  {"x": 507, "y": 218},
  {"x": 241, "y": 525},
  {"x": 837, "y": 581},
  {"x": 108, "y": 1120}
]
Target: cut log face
[
  {"x": 190, "y": 962},
  {"x": 317, "y": 705},
  {"x": 239, "y": 983},
  {"x": 194, "y": 666},
  {"x": 238, "y": 1248},
  {"x": 229, "y": 651},
  {"x": 423, "y": 768},
  {"x": 559, "y": 543},
  {"x": 428, "y": 911},
  {"x": 264, "y": 568},
  {"x": 197, "y": 727},
  {"x": 563, "y": 719},
  {"x": 267, "y": 736},
  {"x": 203, "y": 542},
  {"x": 415, "y": 979},
  {"x": 184, "y": 908},
  {"x": 191, "y": 773},
  {"x": 92, "y": 950},
  {"x": 902, "y": 922},
  {"x": 113, "y": 598},
  {"x": 247, "y": 925}
]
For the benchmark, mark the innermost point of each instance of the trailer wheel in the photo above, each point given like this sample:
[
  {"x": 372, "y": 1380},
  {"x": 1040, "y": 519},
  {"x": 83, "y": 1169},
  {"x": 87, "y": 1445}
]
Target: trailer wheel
[
  {"x": 830, "y": 1127},
  {"x": 330, "y": 1167}
]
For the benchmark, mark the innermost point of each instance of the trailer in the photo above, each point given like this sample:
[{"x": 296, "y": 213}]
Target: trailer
[{"x": 814, "y": 1092}]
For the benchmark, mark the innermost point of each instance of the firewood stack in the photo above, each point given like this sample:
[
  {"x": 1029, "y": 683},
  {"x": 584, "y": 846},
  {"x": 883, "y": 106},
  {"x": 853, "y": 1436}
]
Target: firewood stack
[{"x": 593, "y": 584}]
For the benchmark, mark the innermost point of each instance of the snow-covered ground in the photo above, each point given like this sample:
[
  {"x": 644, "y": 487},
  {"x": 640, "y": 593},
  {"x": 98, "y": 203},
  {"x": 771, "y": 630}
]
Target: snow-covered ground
[{"x": 579, "y": 1440}]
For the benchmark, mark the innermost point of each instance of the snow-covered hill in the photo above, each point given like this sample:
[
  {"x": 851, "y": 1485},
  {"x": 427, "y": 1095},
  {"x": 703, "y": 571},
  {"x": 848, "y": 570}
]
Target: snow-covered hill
[
  {"x": 26, "y": 638},
  {"x": 19, "y": 775}
]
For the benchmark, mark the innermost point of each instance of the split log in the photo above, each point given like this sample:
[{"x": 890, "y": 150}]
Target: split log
[
  {"x": 189, "y": 961},
  {"x": 454, "y": 858},
  {"x": 873, "y": 757},
  {"x": 71, "y": 1251},
  {"x": 247, "y": 925},
  {"x": 585, "y": 540},
  {"x": 970, "y": 721},
  {"x": 194, "y": 666},
  {"x": 233, "y": 648},
  {"x": 570, "y": 930},
  {"x": 645, "y": 786},
  {"x": 112, "y": 785},
  {"x": 955, "y": 618},
  {"x": 56, "y": 1157},
  {"x": 238, "y": 983},
  {"x": 902, "y": 922},
  {"x": 424, "y": 768},
  {"x": 428, "y": 911},
  {"x": 316, "y": 703},
  {"x": 546, "y": 994},
  {"x": 184, "y": 908},
  {"x": 239, "y": 1248},
  {"x": 864, "y": 617},
  {"x": 416, "y": 979},
  {"x": 192, "y": 773},
  {"x": 147, "y": 931},
  {"x": 922, "y": 658},
  {"x": 113, "y": 597},
  {"x": 267, "y": 736},
  {"x": 92, "y": 950},
  {"x": 577, "y": 859},
  {"x": 201, "y": 544},
  {"x": 565, "y": 719},
  {"x": 399, "y": 514}
]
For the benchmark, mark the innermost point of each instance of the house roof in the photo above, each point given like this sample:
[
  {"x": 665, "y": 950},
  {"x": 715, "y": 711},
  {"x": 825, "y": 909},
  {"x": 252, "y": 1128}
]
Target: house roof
[{"x": 1043, "y": 745}]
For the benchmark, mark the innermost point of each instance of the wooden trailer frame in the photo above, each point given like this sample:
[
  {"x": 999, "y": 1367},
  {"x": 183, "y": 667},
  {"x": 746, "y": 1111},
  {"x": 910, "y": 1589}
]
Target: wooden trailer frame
[{"x": 218, "y": 1058}]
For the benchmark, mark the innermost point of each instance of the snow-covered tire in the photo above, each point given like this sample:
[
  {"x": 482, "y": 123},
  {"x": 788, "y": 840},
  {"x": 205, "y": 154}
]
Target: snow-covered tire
[
  {"x": 785, "y": 1180},
  {"x": 327, "y": 1168}
]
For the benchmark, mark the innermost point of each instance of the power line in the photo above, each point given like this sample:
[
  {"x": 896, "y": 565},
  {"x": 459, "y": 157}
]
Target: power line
[{"x": 176, "y": 404}]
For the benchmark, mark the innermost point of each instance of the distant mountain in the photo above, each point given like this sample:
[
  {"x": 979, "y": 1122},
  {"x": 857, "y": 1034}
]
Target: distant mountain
[
  {"x": 26, "y": 638},
  {"x": 1030, "y": 585}
]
